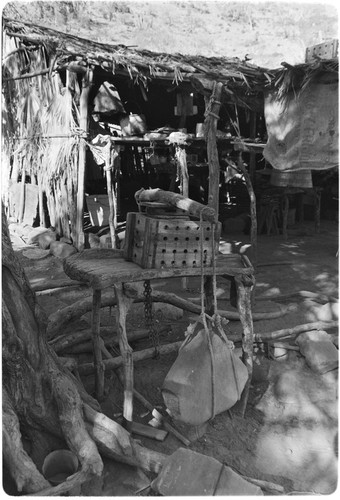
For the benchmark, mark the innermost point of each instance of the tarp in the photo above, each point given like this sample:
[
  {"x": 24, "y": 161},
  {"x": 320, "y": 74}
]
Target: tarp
[{"x": 303, "y": 129}]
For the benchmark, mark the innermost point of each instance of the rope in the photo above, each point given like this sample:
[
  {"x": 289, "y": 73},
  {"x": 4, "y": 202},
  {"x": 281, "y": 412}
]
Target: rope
[
  {"x": 204, "y": 321},
  {"x": 218, "y": 320}
]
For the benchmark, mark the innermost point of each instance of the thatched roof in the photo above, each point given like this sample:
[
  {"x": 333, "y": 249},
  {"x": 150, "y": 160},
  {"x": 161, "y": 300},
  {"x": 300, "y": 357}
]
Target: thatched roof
[
  {"x": 139, "y": 64},
  {"x": 242, "y": 81}
]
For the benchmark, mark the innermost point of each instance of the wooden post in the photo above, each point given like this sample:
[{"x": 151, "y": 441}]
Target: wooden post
[
  {"x": 253, "y": 233},
  {"x": 252, "y": 154},
  {"x": 244, "y": 286},
  {"x": 211, "y": 119},
  {"x": 21, "y": 211},
  {"x": 41, "y": 201},
  {"x": 83, "y": 113},
  {"x": 212, "y": 152},
  {"x": 111, "y": 196},
  {"x": 123, "y": 305},
  {"x": 181, "y": 157},
  {"x": 112, "y": 193}
]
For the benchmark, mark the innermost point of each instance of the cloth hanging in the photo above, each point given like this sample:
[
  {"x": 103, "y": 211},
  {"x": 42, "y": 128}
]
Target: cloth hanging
[
  {"x": 107, "y": 100},
  {"x": 187, "y": 389},
  {"x": 303, "y": 129}
]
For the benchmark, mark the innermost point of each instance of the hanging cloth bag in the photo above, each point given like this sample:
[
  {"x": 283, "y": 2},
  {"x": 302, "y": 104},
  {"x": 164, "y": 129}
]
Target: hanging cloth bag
[
  {"x": 207, "y": 377},
  {"x": 195, "y": 389}
]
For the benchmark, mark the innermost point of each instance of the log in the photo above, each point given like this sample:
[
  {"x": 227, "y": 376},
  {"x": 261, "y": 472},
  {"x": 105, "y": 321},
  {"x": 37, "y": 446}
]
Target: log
[
  {"x": 71, "y": 483},
  {"x": 58, "y": 320},
  {"x": 174, "y": 199},
  {"x": 148, "y": 431},
  {"x": 304, "y": 294},
  {"x": 96, "y": 340},
  {"x": 289, "y": 332},
  {"x": 112, "y": 364},
  {"x": 165, "y": 418},
  {"x": 77, "y": 340},
  {"x": 116, "y": 443},
  {"x": 22, "y": 468}
]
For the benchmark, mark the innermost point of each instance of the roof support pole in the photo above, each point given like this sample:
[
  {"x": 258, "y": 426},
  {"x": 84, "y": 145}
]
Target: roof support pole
[
  {"x": 212, "y": 116},
  {"x": 83, "y": 113},
  {"x": 252, "y": 155},
  {"x": 253, "y": 231}
]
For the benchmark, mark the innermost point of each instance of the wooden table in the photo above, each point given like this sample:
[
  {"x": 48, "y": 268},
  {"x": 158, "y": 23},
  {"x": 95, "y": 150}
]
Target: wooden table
[{"x": 104, "y": 268}]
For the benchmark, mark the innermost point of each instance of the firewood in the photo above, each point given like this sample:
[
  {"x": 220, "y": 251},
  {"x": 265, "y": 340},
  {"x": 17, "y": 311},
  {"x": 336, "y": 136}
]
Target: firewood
[
  {"x": 58, "y": 320},
  {"x": 290, "y": 332},
  {"x": 147, "y": 431},
  {"x": 115, "y": 442},
  {"x": 192, "y": 207},
  {"x": 112, "y": 364}
]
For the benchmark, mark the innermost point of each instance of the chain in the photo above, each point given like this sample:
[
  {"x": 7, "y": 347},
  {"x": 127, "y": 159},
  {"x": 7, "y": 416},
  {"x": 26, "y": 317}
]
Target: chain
[{"x": 153, "y": 333}]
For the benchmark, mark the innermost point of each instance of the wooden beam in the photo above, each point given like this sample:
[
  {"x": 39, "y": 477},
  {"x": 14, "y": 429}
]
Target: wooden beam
[
  {"x": 83, "y": 112},
  {"x": 253, "y": 232}
]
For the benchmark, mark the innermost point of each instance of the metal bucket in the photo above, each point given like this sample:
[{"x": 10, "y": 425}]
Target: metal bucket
[{"x": 59, "y": 465}]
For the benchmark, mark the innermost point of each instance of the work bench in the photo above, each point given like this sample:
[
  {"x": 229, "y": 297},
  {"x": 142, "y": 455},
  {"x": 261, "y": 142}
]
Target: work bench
[{"x": 101, "y": 269}]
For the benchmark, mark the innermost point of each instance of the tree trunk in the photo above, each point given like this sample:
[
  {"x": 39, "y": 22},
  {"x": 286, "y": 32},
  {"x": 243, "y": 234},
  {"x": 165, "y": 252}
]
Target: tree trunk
[{"x": 39, "y": 395}]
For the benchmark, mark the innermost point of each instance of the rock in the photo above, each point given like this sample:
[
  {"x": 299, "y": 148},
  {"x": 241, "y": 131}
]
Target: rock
[
  {"x": 33, "y": 236},
  {"x": 187, "y": 472},
  {"x": 325, "y": 312},
  {"x": 46, "y": 238},
  {"x": 318, "y": 349},
  {"x": 35, "y": 253},
  {"x": 62, "y": 250}
]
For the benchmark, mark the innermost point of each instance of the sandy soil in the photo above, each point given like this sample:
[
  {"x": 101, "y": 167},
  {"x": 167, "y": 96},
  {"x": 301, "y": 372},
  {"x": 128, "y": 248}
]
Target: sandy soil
[{"x": 288, "y": 434}]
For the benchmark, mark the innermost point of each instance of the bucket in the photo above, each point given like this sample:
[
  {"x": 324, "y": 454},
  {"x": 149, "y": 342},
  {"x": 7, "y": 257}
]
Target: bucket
[{"x": 59, "y": 465}]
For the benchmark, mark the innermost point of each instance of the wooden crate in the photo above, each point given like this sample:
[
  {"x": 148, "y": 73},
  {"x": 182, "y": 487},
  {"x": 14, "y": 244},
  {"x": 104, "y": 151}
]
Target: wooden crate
[{"x": 158, "y": 242}]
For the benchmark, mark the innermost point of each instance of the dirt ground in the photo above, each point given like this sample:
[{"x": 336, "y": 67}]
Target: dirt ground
[{"x": 288, "y": 434}]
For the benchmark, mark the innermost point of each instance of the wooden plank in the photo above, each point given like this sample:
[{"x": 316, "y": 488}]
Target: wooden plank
[
  {"x": 102, "y": 268},
  {"x": 147, "y": 431}
]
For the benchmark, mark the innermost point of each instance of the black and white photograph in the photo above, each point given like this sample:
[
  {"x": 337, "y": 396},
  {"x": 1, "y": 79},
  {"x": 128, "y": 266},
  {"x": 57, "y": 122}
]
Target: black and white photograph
[{"x": 170, "y": 248}]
